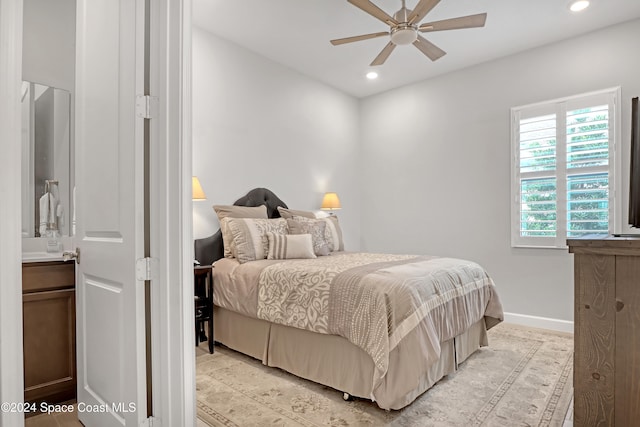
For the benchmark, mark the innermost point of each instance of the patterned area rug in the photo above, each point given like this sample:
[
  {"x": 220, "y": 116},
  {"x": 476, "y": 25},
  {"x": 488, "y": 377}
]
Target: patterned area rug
[{"x": 522, "y": 379}]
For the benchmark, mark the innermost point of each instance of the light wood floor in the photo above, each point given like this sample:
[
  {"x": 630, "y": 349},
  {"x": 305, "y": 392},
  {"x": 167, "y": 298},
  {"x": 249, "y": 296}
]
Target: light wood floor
[{"x": 68, "y": 419}]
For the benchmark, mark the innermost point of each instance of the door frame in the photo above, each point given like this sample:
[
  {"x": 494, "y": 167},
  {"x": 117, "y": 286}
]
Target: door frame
[
  {"x": 172, "y": 310},
  {"x": 12, "y": 385},
  {"x": 172, "y": 349}
]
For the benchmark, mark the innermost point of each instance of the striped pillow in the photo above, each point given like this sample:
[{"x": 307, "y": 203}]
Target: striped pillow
[{"x": 289, "y": 246}]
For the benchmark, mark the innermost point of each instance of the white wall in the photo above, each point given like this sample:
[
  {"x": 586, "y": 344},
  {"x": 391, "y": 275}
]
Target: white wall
[
  {"x": 48, "y": 59},
  {"x": 259, "y": 124},
  {"x": 436, "y": 161},
  {"x": 49, "y": 43}
]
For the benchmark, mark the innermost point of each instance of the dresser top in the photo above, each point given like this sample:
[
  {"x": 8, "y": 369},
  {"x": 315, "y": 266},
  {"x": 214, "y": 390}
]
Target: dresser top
[{"x": 606, "y": 243}]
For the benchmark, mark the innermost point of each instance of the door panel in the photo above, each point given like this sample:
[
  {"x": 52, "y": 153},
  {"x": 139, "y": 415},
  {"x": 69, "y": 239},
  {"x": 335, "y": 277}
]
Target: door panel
[
  {"x": 110, "y": 212},
  {"x": 103, "y": 374}
]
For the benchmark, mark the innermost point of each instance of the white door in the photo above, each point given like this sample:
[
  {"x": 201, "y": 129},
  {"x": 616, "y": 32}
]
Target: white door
[{"x": 109, "y": 166}]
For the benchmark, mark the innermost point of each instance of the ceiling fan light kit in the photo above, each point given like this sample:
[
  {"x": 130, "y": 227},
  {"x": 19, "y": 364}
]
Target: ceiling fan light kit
[
  {"x": 404, "y": 34},
  {"x": 404, "y": 28}
]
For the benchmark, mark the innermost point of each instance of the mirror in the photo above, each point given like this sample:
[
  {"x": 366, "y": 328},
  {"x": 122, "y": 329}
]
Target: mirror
[{"x": 47, "y": 187}]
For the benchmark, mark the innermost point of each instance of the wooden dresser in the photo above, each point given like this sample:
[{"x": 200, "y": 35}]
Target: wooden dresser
[
  {"x": 606, "y": 376},
  {"x": 49, "y": 321}
]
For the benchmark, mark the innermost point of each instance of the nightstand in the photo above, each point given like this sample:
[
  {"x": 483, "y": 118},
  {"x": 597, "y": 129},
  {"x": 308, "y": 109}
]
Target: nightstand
[{"x": 203, "y": 293}]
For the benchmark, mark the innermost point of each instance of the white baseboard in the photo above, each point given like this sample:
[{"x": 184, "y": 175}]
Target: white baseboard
[{"x": 539, "y": 322}]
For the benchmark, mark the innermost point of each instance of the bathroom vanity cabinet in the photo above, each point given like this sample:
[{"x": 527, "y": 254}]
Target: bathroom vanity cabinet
[{"x": 49, "y": 322}]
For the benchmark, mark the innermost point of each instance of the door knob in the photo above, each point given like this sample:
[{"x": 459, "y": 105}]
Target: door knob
[{"x": 69, "y": 255}]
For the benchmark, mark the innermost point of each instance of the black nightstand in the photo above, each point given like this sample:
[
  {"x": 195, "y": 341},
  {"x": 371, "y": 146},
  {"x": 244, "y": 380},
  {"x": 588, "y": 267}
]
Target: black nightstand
[{"x": 203, "y": 292}]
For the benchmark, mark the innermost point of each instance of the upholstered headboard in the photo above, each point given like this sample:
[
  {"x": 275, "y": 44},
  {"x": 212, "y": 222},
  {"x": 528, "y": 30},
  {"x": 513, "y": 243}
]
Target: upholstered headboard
[{"x": 210, "y": 249}]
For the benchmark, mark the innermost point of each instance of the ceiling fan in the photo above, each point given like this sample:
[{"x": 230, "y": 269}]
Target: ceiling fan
[{"x": 404, "y": 28}]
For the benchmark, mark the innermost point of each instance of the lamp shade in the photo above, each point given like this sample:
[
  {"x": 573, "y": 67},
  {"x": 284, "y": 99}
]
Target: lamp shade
[
  {"x": 330, "y": 202},
  {"x": 198, "y": 193}
]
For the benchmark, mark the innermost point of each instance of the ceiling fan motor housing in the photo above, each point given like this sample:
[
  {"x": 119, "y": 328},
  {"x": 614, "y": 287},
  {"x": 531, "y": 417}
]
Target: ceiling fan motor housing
[{"x": 403, "y": 33}]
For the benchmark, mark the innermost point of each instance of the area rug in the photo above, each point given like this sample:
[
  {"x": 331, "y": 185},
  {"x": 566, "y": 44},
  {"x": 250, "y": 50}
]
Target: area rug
[{"x": 523, "y": 378}]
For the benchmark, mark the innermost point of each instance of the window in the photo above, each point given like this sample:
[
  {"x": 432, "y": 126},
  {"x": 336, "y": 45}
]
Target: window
[{"x": 563, "y": 170}]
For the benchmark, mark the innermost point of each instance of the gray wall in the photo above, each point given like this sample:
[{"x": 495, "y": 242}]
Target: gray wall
[
  {"x": 436, "y": 161},
  {"x": 48, "y": 59},
  {"x": 49, "y": 43},
  {"x": 421, "y": 169},
  {"x": 259, "y": 124}
]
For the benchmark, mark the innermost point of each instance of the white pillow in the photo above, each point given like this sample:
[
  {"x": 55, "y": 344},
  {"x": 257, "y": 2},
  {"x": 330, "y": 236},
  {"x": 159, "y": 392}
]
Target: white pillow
[{"x": 290, "y": 246}]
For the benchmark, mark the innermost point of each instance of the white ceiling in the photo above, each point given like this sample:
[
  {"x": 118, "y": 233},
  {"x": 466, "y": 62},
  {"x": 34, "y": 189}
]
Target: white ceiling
[{"x": 296, "y": 33}]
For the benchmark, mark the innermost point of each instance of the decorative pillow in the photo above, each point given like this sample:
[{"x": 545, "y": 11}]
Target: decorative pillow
[
  {"x": 290, "y": 213},
  {"x": 316, "y": 228},
  {"x": 232, "y": 211},
  {"x": 332, "y": 233},
  {"x": 249, "y": 236},
  {"x": 289, "y": 246}
]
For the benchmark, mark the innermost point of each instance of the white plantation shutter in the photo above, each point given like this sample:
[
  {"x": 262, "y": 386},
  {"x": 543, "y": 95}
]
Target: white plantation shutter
[{"x": 563, "y": 169}]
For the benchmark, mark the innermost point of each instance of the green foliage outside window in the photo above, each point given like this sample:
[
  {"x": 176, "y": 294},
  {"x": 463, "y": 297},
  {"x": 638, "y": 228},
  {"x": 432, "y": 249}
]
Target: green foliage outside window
[{"x": 587, "y": 193}]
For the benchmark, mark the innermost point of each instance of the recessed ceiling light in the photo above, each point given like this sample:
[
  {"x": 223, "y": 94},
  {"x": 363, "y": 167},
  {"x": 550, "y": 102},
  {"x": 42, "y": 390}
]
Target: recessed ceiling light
[
  {"x": 579, "y": 5},
  {"x": 372, "y": 75}
]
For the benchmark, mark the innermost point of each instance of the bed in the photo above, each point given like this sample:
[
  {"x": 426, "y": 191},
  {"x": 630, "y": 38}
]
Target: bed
[{"x": 384, "y": 327}]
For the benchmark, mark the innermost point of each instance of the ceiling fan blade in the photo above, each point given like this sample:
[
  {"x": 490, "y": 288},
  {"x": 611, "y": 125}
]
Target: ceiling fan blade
[
  {"x": 374, "y": 10},
  {"x": 421, "y": 10},
  {"x": 384, "y": 54},
  {"x": 336, "y": 42},
  {"x": 431, "y": 50},
  {"x": 471, "y": 21}
]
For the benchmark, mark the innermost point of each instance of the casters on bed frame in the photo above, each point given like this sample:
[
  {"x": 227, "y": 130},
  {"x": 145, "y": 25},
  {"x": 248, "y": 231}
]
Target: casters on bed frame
[{"x": 347, "y": 397}]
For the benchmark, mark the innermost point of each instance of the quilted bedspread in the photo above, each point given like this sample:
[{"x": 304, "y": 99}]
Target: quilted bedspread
[{"x": 376, "y": 300}]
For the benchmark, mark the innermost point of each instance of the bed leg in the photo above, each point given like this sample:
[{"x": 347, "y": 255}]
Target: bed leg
[{"x": 347, "y": 397}]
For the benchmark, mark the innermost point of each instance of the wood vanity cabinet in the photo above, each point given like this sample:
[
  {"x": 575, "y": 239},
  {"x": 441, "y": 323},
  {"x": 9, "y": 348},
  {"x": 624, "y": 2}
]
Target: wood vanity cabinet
[
  {"x": 606, "y": 376},
  {"x": 49, "y": 323}
]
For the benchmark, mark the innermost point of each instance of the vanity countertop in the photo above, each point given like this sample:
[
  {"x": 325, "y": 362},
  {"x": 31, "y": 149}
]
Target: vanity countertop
[
  {"x": 41, "y": 256},
  {"x": 35, "y": 249}
]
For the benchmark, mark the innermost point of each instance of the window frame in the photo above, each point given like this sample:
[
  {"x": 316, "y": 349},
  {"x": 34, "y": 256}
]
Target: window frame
[{"x": 560, "y": 107}]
